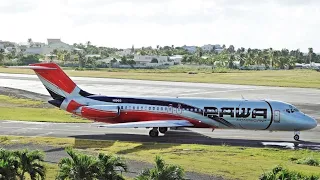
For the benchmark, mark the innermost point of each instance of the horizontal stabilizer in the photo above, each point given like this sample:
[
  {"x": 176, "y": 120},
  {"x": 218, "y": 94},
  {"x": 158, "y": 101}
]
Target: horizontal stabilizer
[
  {"x": 32, "y": 67},
  {"x": 149, "y": 124}
]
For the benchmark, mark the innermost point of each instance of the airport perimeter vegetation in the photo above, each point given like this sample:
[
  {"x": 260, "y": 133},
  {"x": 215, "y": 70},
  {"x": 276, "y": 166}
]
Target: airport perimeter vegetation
[
  {"x": 304, "y": 78},
  {"x": 226, "y": 161}
]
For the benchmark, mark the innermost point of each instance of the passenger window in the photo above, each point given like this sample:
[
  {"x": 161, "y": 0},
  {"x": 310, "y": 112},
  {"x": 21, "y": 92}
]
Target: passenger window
[
  {"x": 153, "y": 108},
  {"x": 133, "y": 107},
  {"x": 121, "y": 107},
  {"x": 161, "y": 108},
  {"x": 157, "y": 108},
  {"x": 149, "y": 108}
]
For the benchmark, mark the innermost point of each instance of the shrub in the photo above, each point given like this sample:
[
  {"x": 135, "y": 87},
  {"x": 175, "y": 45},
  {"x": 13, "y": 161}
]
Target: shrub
[
  {"x": 279, "y": 172},
  {"x": 309, "y": 161}
]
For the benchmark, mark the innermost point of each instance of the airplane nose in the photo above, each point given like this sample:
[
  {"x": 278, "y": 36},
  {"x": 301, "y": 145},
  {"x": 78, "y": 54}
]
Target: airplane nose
[{"x": 312, "y": 123}]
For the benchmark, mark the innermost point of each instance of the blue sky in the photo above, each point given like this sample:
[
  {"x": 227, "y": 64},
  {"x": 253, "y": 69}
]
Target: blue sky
[{"x": 120, "y": 23}]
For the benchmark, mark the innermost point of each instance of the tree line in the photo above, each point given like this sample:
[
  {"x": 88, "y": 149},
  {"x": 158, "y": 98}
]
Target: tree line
[
  {"x": 268, "y": 58},
  {"x": 19, "y": 164},
  {"x": 225, "y": 57}
]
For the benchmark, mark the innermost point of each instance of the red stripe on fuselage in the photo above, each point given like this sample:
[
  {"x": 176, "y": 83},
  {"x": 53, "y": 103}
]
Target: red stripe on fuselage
[
  {"x": 56, "y": 76},
  {"x": 97, "y": 113},
  {"x": 73, "y": 105},
  {"x": 136, "y": 116}
]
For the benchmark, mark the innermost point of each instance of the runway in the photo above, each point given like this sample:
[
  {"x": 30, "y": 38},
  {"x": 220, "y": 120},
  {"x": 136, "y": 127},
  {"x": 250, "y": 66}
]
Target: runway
[
  {"x": 307, "y": 100},
  {"x": 188, "y": 135}
]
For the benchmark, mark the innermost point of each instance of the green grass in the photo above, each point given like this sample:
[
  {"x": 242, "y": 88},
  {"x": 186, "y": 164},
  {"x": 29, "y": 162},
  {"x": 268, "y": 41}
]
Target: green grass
[
  {"x": 21, "y": 109},
  {"x": 38, "y": 115},
  {"x": 13, "y": 101},
  {"x": 283, "y": 78},
  {"x": 229, "y": 162}
]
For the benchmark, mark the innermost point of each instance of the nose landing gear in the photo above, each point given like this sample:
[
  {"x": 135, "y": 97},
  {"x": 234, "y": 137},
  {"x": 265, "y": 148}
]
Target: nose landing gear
[{"x": 296, "y": 135}]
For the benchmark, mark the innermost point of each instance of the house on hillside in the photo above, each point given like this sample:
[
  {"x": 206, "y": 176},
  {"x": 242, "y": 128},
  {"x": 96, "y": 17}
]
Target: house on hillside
[
  {"x": 125, "y": 52},
  {"x": 191, "y": 49},
  {"x": 43, "y": 49},
  {"x": 58, "y": 44}
]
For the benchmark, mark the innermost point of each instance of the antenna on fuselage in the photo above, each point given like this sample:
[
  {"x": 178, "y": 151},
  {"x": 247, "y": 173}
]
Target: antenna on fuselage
[{"x": 242, "y": 96}]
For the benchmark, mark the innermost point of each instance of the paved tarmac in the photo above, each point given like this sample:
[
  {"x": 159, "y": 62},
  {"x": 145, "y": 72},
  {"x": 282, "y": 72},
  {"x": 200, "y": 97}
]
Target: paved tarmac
[
  {"x": 307, "y": 100},
  {"x": 188, "y": 135}
]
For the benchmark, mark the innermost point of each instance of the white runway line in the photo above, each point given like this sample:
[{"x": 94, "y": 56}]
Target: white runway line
[
  {"x": 213, "y": 92},
  {"x": 45, "y": 134}
]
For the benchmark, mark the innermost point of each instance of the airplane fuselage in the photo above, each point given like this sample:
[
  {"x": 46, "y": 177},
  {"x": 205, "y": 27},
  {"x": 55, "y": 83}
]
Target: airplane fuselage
[{"x": 202, "y": 113}]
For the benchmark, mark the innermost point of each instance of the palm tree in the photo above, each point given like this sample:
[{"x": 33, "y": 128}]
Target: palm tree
[
  {"x": 108, "y": 166},
  {"x": 78, "y": 166},
  {"x": 162, "y": 171},
  {"x": 9, "y": 165},
  {"x": 230, "y": 62},
  {"x": 310, "y": 54},
  {"x": 88, "y": 43},
  {"x": 30, "y": 162},
  {"x": 2, "y": 56}
]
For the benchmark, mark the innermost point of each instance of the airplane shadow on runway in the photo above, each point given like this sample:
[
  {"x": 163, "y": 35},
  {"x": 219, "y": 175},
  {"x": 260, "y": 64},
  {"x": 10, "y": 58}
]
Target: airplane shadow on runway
[{"x": 173, "y": 138}]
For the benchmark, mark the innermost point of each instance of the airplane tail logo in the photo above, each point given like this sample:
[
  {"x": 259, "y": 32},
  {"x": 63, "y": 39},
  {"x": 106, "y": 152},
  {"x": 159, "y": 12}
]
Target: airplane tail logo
[{"x": 58, "y": 84}]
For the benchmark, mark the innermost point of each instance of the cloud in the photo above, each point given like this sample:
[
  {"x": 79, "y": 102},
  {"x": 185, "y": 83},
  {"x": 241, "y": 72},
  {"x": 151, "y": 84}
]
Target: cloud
[
  {"x": 249, "y": 23},
  {"x": 16, "y": 6}
]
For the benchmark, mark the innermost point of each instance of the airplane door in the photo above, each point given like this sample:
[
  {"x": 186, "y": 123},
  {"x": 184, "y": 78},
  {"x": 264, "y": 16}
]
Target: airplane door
[
  {"x": 276, "y": 116},
  {"x": 170, "y": 108}
]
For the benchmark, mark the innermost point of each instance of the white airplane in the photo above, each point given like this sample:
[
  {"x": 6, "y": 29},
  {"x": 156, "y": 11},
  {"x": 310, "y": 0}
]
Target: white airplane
[{"x": 162, "y": 113}]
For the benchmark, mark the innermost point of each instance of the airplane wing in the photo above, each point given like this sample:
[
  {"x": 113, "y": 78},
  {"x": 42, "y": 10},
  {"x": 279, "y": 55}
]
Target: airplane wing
[{"x": 149, "y": 124}]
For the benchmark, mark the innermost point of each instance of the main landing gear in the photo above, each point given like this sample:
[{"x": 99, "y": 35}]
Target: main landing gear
[
  {"x": 296, "y": 135},
  {"x": 155, "y": 133}
]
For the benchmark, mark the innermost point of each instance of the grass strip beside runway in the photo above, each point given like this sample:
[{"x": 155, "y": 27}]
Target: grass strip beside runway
[
  {"x": 38, "y": 115},
  {"x": 227, "y": 161},
  {"x": 282, "y": 78},
  {"x": 23, "y": 109}
]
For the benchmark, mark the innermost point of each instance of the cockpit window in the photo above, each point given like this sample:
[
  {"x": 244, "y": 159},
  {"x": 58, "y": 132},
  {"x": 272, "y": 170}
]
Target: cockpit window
[{"x": 292, "y": 109}]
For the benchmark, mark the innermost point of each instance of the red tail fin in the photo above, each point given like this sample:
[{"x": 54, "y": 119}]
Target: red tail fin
[{"x": 54, "y": 75}]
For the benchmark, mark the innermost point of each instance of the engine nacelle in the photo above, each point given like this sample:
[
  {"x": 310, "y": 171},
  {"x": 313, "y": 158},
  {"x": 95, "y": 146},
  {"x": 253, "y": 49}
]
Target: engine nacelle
[{"x": 99, "y": 111}]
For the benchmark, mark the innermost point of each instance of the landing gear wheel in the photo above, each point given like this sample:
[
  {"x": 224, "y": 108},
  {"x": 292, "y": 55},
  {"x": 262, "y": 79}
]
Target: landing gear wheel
[
  {"x": 163, "y": 129},
  {"x": 296, "y": 137},
  {"x": 153, "y": 133}
]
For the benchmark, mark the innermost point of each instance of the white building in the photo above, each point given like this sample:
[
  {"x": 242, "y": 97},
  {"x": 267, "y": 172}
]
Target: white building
[
  {"x": 2, "y": 46},
  {"x": 40, "y": 48},
  {"x": 176, "y": 59},
  {"x": 58, "y": 44},
  {"x": 92, "y": 56},
  {"x": 146, "y": 60},
  {"x": 207, "y": 47}
]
